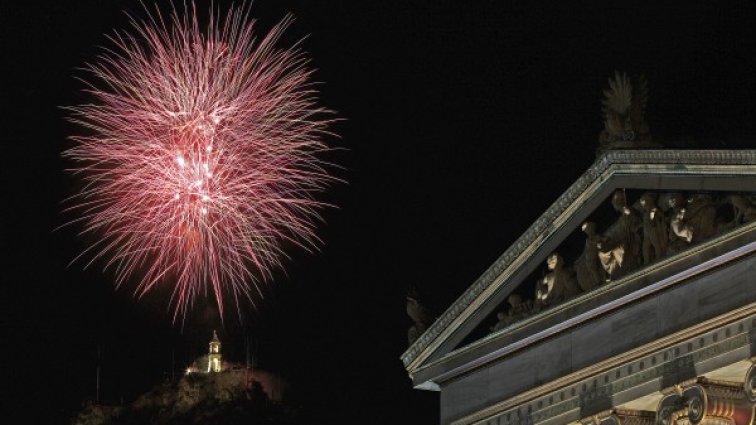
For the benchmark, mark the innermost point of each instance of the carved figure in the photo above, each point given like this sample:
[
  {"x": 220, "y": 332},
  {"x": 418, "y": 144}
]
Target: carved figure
[
  {"x": 420, "y": 315},
  {"x": 557, "y": 285},
  {"x": 624, "y": 107},
  {"x": 502, "y": 321},
  {"x": 620, "y": 245},
  {"x": 655, "y": 235},
  {"x": 744, "y": 208},
  {"x": 588, "y": 268},
  {"x": 518, "y": 309},
  {"x": 682, "y": 230},
  {"x": 702, "y": 213},
  {"x": 678, "y": 235},
  {"x": 697, "y": 220}
]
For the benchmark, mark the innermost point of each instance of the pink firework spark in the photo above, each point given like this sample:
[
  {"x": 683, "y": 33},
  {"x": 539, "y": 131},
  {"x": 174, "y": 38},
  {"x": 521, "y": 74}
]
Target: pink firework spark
[{"x": 201, "y": 155}]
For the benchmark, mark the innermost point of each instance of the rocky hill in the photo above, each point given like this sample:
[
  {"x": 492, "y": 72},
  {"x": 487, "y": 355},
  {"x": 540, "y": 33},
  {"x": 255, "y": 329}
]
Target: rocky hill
[{"x": 196, "y": 398}]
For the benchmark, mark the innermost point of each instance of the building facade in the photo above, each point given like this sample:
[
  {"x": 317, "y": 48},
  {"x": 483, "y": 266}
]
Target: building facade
[{"x": 632, "y": 299}]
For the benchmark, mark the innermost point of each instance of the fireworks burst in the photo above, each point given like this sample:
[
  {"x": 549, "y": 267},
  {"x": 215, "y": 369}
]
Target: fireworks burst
[{"x": 201, "y": 156}]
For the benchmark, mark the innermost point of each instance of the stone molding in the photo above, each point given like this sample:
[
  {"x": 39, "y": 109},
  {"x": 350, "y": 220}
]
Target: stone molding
[{"x": 659, "y": 366}]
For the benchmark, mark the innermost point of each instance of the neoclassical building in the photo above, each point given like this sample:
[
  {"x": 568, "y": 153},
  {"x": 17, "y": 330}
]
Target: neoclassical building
[{"x": 631, "y": 300}]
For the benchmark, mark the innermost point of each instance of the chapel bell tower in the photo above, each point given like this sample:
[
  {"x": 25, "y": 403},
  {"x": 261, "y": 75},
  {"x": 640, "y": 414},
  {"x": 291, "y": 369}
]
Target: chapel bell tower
[{"x": 214, "y": 355}]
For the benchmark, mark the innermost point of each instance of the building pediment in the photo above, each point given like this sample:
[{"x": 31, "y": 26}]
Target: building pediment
[{"x": 444, "y": 350}]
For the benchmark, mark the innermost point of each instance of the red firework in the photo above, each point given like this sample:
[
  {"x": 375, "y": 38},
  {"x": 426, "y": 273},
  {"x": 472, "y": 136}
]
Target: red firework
[{"x": 201, "y": 156}]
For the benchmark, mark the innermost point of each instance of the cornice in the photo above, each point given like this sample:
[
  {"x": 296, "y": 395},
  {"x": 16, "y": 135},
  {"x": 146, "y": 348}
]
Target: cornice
[{"x": 677, "y": 346}]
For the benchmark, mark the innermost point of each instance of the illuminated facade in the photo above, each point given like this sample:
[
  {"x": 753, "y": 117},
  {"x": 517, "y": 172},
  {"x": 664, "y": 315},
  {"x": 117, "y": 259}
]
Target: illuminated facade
[
  {"x": 214, "y": 355},
  {"x": 670, "y": 340}
]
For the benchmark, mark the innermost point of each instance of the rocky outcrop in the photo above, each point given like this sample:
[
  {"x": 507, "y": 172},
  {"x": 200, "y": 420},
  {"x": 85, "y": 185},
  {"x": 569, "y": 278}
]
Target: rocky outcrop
[{"x": 196, "y": 398}]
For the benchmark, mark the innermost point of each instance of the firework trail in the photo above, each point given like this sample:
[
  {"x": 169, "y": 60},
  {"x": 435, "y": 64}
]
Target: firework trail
[{"x": 200, "y": 157}]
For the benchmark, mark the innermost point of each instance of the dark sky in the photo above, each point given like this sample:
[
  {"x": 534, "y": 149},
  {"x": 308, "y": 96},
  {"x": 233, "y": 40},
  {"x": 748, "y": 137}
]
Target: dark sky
[{"x": 463, "y": 122}]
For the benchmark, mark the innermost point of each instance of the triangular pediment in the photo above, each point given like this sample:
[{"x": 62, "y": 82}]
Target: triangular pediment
[{"x": 636, "y": 171}]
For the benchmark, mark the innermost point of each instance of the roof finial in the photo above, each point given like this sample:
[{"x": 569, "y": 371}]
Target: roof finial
[{"x": 624, "y": 109}]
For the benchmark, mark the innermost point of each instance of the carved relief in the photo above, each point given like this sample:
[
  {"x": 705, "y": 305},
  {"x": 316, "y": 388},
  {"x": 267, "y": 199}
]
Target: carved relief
[
  {"x": 621, "y": 417},
  {"x": 656, "y": 226},
  {"x": 420, "y": 315},
  {"x": 707, "y": 401},
  {"x": 588, "y": 266},
  {"x": 671, "y": 408},
  {"x": 624, "y": 109},
  {"x": 620, "y": 245},
  {"x": 543, "y": 226},
  {"x": 518, "y": 309},
  {"x": 655, "y": 234},
  {"x": 679, "y": 238},
  {"x": 699, "y": 217},
  {"x": 749, "y": 384},
  {"x": 558, "y": 285},
  {"x": 744, "y": 207}
]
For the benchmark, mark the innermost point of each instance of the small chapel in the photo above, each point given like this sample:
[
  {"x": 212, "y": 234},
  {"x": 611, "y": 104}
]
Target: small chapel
[
  {"x": 210, "y": 362},
  {"x": 214, "y": 355}
]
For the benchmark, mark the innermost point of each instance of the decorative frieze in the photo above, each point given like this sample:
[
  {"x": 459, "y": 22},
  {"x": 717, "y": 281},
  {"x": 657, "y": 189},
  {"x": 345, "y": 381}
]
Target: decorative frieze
[
  {"x": 658, "y": 162},
  {"x": 651, "y": 226}
]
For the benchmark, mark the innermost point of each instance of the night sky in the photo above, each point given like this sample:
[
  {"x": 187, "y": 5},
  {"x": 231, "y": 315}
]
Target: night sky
[{"x": 463, "y": 121}]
